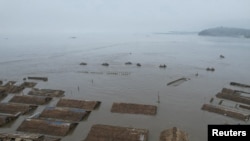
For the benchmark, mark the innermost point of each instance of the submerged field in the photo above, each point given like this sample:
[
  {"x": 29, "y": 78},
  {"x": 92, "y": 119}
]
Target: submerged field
[{"x": 185, "y": 56}]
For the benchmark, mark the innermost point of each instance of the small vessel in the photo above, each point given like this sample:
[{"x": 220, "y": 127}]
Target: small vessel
[
  {"x": 105, "y": 64},
  {"x": 162, "y": 66}
]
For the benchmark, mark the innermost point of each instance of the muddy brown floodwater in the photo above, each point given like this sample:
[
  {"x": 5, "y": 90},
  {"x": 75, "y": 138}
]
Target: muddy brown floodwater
[{"x": 57, "y": 57}]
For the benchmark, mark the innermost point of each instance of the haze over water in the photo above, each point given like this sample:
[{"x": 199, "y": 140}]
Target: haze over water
[{"x": 81, "y": 16}]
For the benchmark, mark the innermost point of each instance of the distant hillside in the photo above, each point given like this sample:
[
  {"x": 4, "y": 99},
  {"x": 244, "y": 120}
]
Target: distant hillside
[{"x": 225, "y": 31}]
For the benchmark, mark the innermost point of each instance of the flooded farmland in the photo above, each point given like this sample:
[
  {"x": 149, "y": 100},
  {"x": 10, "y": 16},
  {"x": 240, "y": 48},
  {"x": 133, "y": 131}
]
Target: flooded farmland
[{"x": 58, "y": 58}]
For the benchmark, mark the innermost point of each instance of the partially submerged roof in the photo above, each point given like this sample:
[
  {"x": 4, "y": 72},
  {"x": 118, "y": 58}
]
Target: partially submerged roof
[
  {"x": 14, "y": 108},
  {"x": 26, "y": 137},
  {"x": 27, "y": 99},
  {"x": 173, "y": 134},
  {"x": 9, "y": 87},
  {"x": 131, "y": 108},
  {"x": 48, "y": 127},
  {"x": 3, "y": 120},
  {"x": 115, "y": 133},
  {"x": 46, "y": 92},
  {"x": 233, "y": 96},
  {"x": 6, "y": 118},
  {"x": 65, "y": 114},
  {"x": 239, "y": 84},
  {"x": 29, "y": 84},
  {"x": 82, "y": 104},
  {"x": 226, "y": 111}
]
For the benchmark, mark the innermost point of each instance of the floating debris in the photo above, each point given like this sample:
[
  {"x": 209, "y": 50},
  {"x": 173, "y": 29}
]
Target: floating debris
[
  {"x": 210, "y": 69},
  {"x": 83, "y": 63},
  {"x": 177, "y": 82},
  {"x": 14, "y": 108},
  {"x": 108, "y": 73},
  {"x": 83, "y": 71},
  {"x": 239, "y": 84},
  {"x": 118, "y": 73},
  {"x": 48, "y": 127},
  {"x": 162, "y": 66},
  {"x": 26, "y": 137},
  {"x": 115, "y": 133},
  {"x": 226, "y": 111},
  {"x": 38, "y": 78},
  {"x": 131, "y": 108},
  {"x": 46, "y": 92},
  {"x": 65, "y": 114},
  {"x": 173, "y": 134},
  {"x": 105, "y": 64},
  {"x": 26, "y": 99},
  {"x": 128, "y": 63},
  {"x": 75, "y": 103},
  {"x": 231, "y": 95},
  {"x": 92, "y": 72}
]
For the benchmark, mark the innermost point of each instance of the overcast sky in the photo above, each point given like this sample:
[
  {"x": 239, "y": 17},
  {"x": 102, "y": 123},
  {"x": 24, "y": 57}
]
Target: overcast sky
[{"x": 121, "y": 15}]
